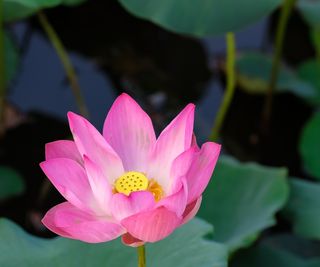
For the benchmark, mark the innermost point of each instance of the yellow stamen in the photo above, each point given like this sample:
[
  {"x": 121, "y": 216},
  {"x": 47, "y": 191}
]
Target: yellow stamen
[
  {"x": 131, "y": 182},
  {"x": 155, "y": 189},
  {"x": 137, "y": 181}
]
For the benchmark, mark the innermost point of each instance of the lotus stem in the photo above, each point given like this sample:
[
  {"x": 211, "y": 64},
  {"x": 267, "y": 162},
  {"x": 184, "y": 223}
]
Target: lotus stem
[
  {"x": 141, "y": 256},
  {"x": 230, "y": 87},
  {"x": 286, "y": 10},
  {"x": 66, "y": 62},
  {"x": 2, "y": 71},
  {"x": 315, "y": 38}
]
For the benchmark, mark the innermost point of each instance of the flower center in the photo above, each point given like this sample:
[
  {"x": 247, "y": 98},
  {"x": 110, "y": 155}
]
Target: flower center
[
  {"x": 131, "y": 182},
  {"x": 137, "y": 181}
]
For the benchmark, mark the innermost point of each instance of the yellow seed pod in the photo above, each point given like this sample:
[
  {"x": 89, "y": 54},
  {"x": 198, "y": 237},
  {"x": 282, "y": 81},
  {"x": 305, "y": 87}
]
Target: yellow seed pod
[{"x": 131, "y": 182}]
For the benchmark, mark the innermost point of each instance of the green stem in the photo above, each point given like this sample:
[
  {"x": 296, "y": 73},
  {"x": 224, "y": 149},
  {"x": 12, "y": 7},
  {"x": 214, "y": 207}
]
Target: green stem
[
  {"x": 2, "y": 71},
  {"x": 141, "y": 256},
  {"x": 280, "y": 32},
  {"x": 66, "y": 62},
  {"x": 230, "y": 87},
  {"x": 315, "y": 39}
]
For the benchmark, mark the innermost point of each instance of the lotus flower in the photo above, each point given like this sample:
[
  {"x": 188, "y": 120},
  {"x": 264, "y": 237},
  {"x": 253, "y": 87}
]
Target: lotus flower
[{"x": 126, "y": 182}]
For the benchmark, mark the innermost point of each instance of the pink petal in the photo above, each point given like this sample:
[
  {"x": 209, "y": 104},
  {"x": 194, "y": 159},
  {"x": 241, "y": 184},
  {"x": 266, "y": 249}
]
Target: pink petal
[
  {"x": 194, "y": 142},
  {"x": 201, "y": 169},
  {"x": 174, "y": 140},
  {"x": 191, "y": 210},
  {"x": 68, "y": 221},
  {"x": 128, "y": 129},
  {"x": 91, "y": 143},
  {"x": 101, "y": 189},
  {"x": 176, "y": 202},
  {"x": 63, "y": 149},
  {"x": 152, "y": 226},
  {"x": 70, "y": 179},
  {"x": 179, "y": 169},
  {"x": 124, "y": 206},
  {"x": 131, "y": 241}
]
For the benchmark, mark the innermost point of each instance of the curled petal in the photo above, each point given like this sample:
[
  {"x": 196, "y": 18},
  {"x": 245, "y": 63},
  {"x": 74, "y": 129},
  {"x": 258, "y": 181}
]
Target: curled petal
[
  {"x": 152, "y": 226},
  {"x": 194, "y": 142},
  {"x": 174, "y": 140},
  {"x": 91, "y": 143},
  {"x": 201, "y": 169},
  {"x": 128, "y": 129},
  {"x": 68, "y": 221},
  {"x": 131, "y": 241},
  {"x": 180, "y": 168},
  {"x": 123, "y": 206},
  {"x": 191, "y": 210},
  {"x": 63, "y": 149}
]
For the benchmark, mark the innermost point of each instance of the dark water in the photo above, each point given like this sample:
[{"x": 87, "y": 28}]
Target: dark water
[{"x": 41, "y": 84}]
